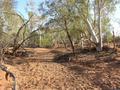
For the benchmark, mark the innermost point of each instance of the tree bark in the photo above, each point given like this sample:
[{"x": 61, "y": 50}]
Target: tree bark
[{"x": 92, "y": 32}]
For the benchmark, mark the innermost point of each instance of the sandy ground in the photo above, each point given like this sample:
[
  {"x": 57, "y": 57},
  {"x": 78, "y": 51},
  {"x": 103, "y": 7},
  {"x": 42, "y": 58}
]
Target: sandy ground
[{"x": 48, "y": 69}]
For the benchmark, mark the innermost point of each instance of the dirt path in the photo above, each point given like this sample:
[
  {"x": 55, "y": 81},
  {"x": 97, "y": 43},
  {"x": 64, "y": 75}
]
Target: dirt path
[{"x": 38, "y": 71}]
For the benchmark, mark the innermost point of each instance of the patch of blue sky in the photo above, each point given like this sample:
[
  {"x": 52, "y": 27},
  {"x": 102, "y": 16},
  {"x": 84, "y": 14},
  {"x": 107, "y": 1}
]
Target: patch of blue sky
[{"x": 22, "y": 7}]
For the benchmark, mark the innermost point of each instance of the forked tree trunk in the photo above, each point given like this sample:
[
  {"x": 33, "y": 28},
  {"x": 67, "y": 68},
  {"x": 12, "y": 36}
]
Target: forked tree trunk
[
  {"x": 94, "y": 36},
  {"x": 98, "y": 41}
]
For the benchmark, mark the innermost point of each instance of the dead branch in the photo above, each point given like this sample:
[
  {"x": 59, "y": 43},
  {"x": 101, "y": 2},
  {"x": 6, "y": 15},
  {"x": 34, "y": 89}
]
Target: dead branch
[
  {"x": 9, "y": 73},
  {"x": 17, "y": 35},
  {"x": 15, "y": 40}
]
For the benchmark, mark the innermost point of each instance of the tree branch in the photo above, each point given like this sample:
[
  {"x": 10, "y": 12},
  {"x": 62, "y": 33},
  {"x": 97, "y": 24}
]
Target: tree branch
[{"x": 9, "y": 73}]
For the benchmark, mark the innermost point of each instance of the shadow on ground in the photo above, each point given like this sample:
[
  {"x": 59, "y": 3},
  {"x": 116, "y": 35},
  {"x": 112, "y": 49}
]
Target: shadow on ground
[{"x": 101, "y": 69}]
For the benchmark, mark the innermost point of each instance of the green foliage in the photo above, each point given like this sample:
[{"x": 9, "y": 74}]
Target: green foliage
[
  {"x": 46, "y": 41},
  {"x": 34, "y": 40},
  {"x": 55, "y": 13},
  {"x": 108, "y": 37}
]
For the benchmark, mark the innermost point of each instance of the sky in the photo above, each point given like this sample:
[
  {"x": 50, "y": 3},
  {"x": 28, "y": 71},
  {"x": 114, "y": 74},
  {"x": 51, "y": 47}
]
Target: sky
[
  {"x": 21, "y": 6},
  {"x": 21, "y": 9},
  {"x": 115, "y": 19}
]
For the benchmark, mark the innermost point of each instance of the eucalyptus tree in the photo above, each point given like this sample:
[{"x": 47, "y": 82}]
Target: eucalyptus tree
[
  {"x": 63, "y": 13},
  {"x": 103, "y": 9},
  {"x": 97, "y": 18},
  {"x": 83, "y": 16}
]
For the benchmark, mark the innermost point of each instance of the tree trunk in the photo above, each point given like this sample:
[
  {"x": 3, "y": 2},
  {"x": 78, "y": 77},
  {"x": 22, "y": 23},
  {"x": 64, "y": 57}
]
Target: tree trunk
[
  {"x": 97, "y": 42},
  {"x": 114, "y": 46},
  {"x": 92, "y": 32},
  {"x": 100, "y": 45},
  {"x": 69, "y": 37},
  {"x": 81, "y": 42}
]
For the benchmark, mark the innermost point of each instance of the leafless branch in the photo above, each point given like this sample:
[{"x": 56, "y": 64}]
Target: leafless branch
[{"x": 9, "y": 73}]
